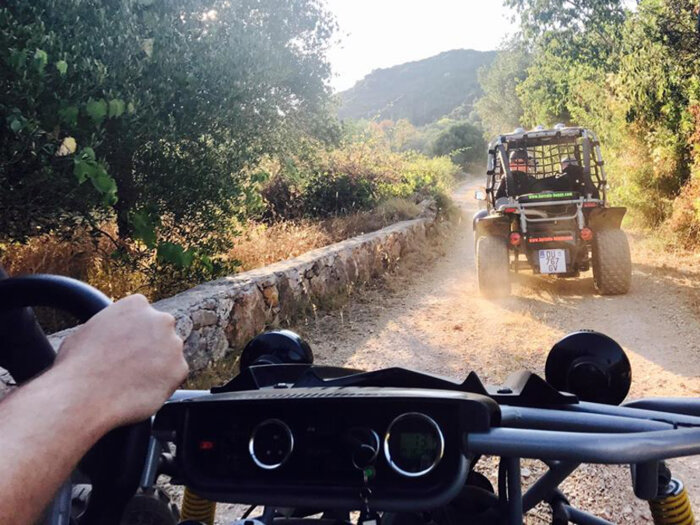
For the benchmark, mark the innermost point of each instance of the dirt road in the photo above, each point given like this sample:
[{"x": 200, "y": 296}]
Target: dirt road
[{"x": 435, "y": 320}]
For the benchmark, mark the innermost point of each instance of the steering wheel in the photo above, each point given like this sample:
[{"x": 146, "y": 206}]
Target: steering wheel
[{"x": 114, "y": 463}]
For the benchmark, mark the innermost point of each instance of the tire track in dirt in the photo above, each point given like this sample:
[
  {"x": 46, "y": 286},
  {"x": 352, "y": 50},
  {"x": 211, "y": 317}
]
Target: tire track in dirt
[{"x": 434, "y": 320}]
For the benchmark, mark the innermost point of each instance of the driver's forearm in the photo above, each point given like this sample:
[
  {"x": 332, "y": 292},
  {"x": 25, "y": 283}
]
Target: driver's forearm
[{"x": 46, "y": 428}]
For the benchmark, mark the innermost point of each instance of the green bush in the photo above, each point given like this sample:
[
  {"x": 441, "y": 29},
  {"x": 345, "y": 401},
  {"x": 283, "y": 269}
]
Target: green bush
[
  {"x": 283, "y": 198},
  {"x": 463, "y": 143},
  {"x": 333, "y": 193},
  {"x": 356, "y": 176},
  {"x": 426, "y": 176}
]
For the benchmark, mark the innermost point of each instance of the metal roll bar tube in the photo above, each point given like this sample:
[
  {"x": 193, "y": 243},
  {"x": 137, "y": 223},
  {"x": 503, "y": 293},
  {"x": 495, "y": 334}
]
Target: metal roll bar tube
[
  {"x": 538, "y": 419},
  {"x": 547, "y": 484},
  {"x": 634, "y": 413},
  {"x": 622, "y": 448},
  {"x": 677, "y": 405}
]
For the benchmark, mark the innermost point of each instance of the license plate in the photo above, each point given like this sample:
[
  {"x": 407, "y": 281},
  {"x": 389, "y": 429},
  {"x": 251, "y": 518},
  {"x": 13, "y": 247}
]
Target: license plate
[{"x": 552, "y": 261}]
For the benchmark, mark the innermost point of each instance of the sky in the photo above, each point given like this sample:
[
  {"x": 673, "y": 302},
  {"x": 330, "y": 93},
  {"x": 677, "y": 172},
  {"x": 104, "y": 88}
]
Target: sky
[{"x": 383, "y": 33}]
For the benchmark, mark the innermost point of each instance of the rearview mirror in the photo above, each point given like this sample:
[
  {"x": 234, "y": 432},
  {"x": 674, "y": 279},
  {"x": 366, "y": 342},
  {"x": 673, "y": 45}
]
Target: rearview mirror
[{"x": 480, "y": 195}]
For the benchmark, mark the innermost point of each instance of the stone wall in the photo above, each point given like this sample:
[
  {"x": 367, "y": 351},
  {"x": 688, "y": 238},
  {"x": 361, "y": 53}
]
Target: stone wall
[{"x": 219, "y": 317}]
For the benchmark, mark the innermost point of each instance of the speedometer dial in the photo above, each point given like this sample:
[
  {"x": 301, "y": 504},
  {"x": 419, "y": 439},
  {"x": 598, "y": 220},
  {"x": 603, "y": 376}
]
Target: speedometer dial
[{"x": 414, "y": 444}]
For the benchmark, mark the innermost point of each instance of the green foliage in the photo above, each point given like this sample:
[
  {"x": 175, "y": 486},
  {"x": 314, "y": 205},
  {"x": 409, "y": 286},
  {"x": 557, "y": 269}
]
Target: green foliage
[
  {"x": 62, "y": 67},
  {"x": 463, "y": 143},
  {"x": 424, "y": 177},
  {"x": 169, "y": 107},
  {"x": 500, "y": 109},
  {"x": 40, "y": 60},
  {"x": 581, "y": 30},
  {"x": 544, "y": 93},
  {"x": 359, "y": 175},
  {"x": 567, "y": 39},
  {"x": 86, "y": 167},
  {"x": 175, "y": 254},
  {"x": 116, "y": 108},
  {"x": 660, "y": 75},
  {"x": 657, "y": 85},
  {"x": 96, "y": 110},
  {"x": 144, "y": 228},
  {"x": 335, "y": 193}
]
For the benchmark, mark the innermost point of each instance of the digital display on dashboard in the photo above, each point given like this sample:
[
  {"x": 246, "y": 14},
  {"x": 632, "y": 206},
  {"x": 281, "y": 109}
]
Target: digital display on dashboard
[
  {"x": 417, "y": 447},
  {"x": 414, "y": 444}
]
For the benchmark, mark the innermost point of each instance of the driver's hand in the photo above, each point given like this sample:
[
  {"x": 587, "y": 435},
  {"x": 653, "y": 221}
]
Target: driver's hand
[{"x": 127, "y": 358}]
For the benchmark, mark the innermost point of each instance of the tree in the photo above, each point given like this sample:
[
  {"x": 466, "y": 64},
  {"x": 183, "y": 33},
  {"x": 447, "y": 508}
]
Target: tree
[
  {"x": 567, "y": 38},
  {"x": 546, "y": 91},
  {"x": 500, "y": 108},
  {"x": 463, "y": 143},
  {"x": 659, "y": 83},
  {"x": 584, "y": 29},
  {"x": 170, "y": 104}
]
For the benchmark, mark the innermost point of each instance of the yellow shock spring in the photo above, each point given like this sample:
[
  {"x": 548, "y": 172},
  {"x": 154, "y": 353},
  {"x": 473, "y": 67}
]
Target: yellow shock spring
[
  {"x": 674, "y": 507},
  {"x": 196, "y": 508}
]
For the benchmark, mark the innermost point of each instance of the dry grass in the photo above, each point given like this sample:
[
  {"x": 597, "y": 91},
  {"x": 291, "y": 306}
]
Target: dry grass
[
  {"x": 215, "y": 374},
  {"x": 659, "y": 248},
  {"x": 88, "y": 258},
  {"x": 49, "y": 254},
  {"x": 263, "y": 244},
  {"x": 81, "y": 256}
]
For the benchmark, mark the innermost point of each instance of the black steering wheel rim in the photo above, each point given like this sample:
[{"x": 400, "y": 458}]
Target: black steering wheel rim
[
  {"x": 54, "y": 291},
  {"x": 114, "y": 463}
]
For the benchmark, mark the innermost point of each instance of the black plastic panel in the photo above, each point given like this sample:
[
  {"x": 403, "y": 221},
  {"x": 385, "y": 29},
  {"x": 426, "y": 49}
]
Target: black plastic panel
[{"x": 213, "y": 440}]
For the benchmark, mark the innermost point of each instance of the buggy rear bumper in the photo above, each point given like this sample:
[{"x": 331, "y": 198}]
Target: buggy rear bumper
[{"x": 536, "y": 212}]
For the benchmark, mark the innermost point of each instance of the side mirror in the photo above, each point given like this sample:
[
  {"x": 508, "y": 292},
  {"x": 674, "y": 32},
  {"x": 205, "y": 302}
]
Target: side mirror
[
  {"x": 590, "y": 365},
  {"x": 480, "y": 195}
]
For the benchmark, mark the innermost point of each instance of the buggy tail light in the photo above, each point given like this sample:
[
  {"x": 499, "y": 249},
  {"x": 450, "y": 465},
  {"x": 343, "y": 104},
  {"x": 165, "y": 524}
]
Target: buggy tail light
[
  {"x": 510, "y": 210},
  {"x": 586, "y": 234},
  {"x": 515, "y": 239},
  {"x": 590, "y": 204}
]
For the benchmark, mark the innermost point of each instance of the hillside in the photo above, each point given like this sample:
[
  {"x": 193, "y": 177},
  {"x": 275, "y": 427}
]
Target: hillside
[{"x": 420, "y": 91}]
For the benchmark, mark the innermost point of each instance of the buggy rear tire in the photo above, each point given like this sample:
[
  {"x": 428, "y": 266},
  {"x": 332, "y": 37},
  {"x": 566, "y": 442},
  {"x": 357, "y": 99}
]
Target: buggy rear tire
[
  {"x": 492, "y": 266},
  {"x": 612, "y": 263}
]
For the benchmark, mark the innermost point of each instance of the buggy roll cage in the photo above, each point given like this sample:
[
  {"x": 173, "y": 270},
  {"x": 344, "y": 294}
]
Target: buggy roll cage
[{"x": 548, "y": 146}]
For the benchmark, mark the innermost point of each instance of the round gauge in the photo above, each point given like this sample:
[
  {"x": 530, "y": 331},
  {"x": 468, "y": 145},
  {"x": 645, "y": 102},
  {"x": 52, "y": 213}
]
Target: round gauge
[
  {"x": 364, "y": 446},
  {"x": 413, "y": 444},
  {"x": 271, "y": 444}
]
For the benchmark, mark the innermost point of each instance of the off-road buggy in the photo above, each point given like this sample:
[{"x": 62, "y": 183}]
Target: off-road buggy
[{"x": 546, "y": 209}]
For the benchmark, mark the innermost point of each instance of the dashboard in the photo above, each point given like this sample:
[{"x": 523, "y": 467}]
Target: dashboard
[{"x": 399, "y": 448}]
